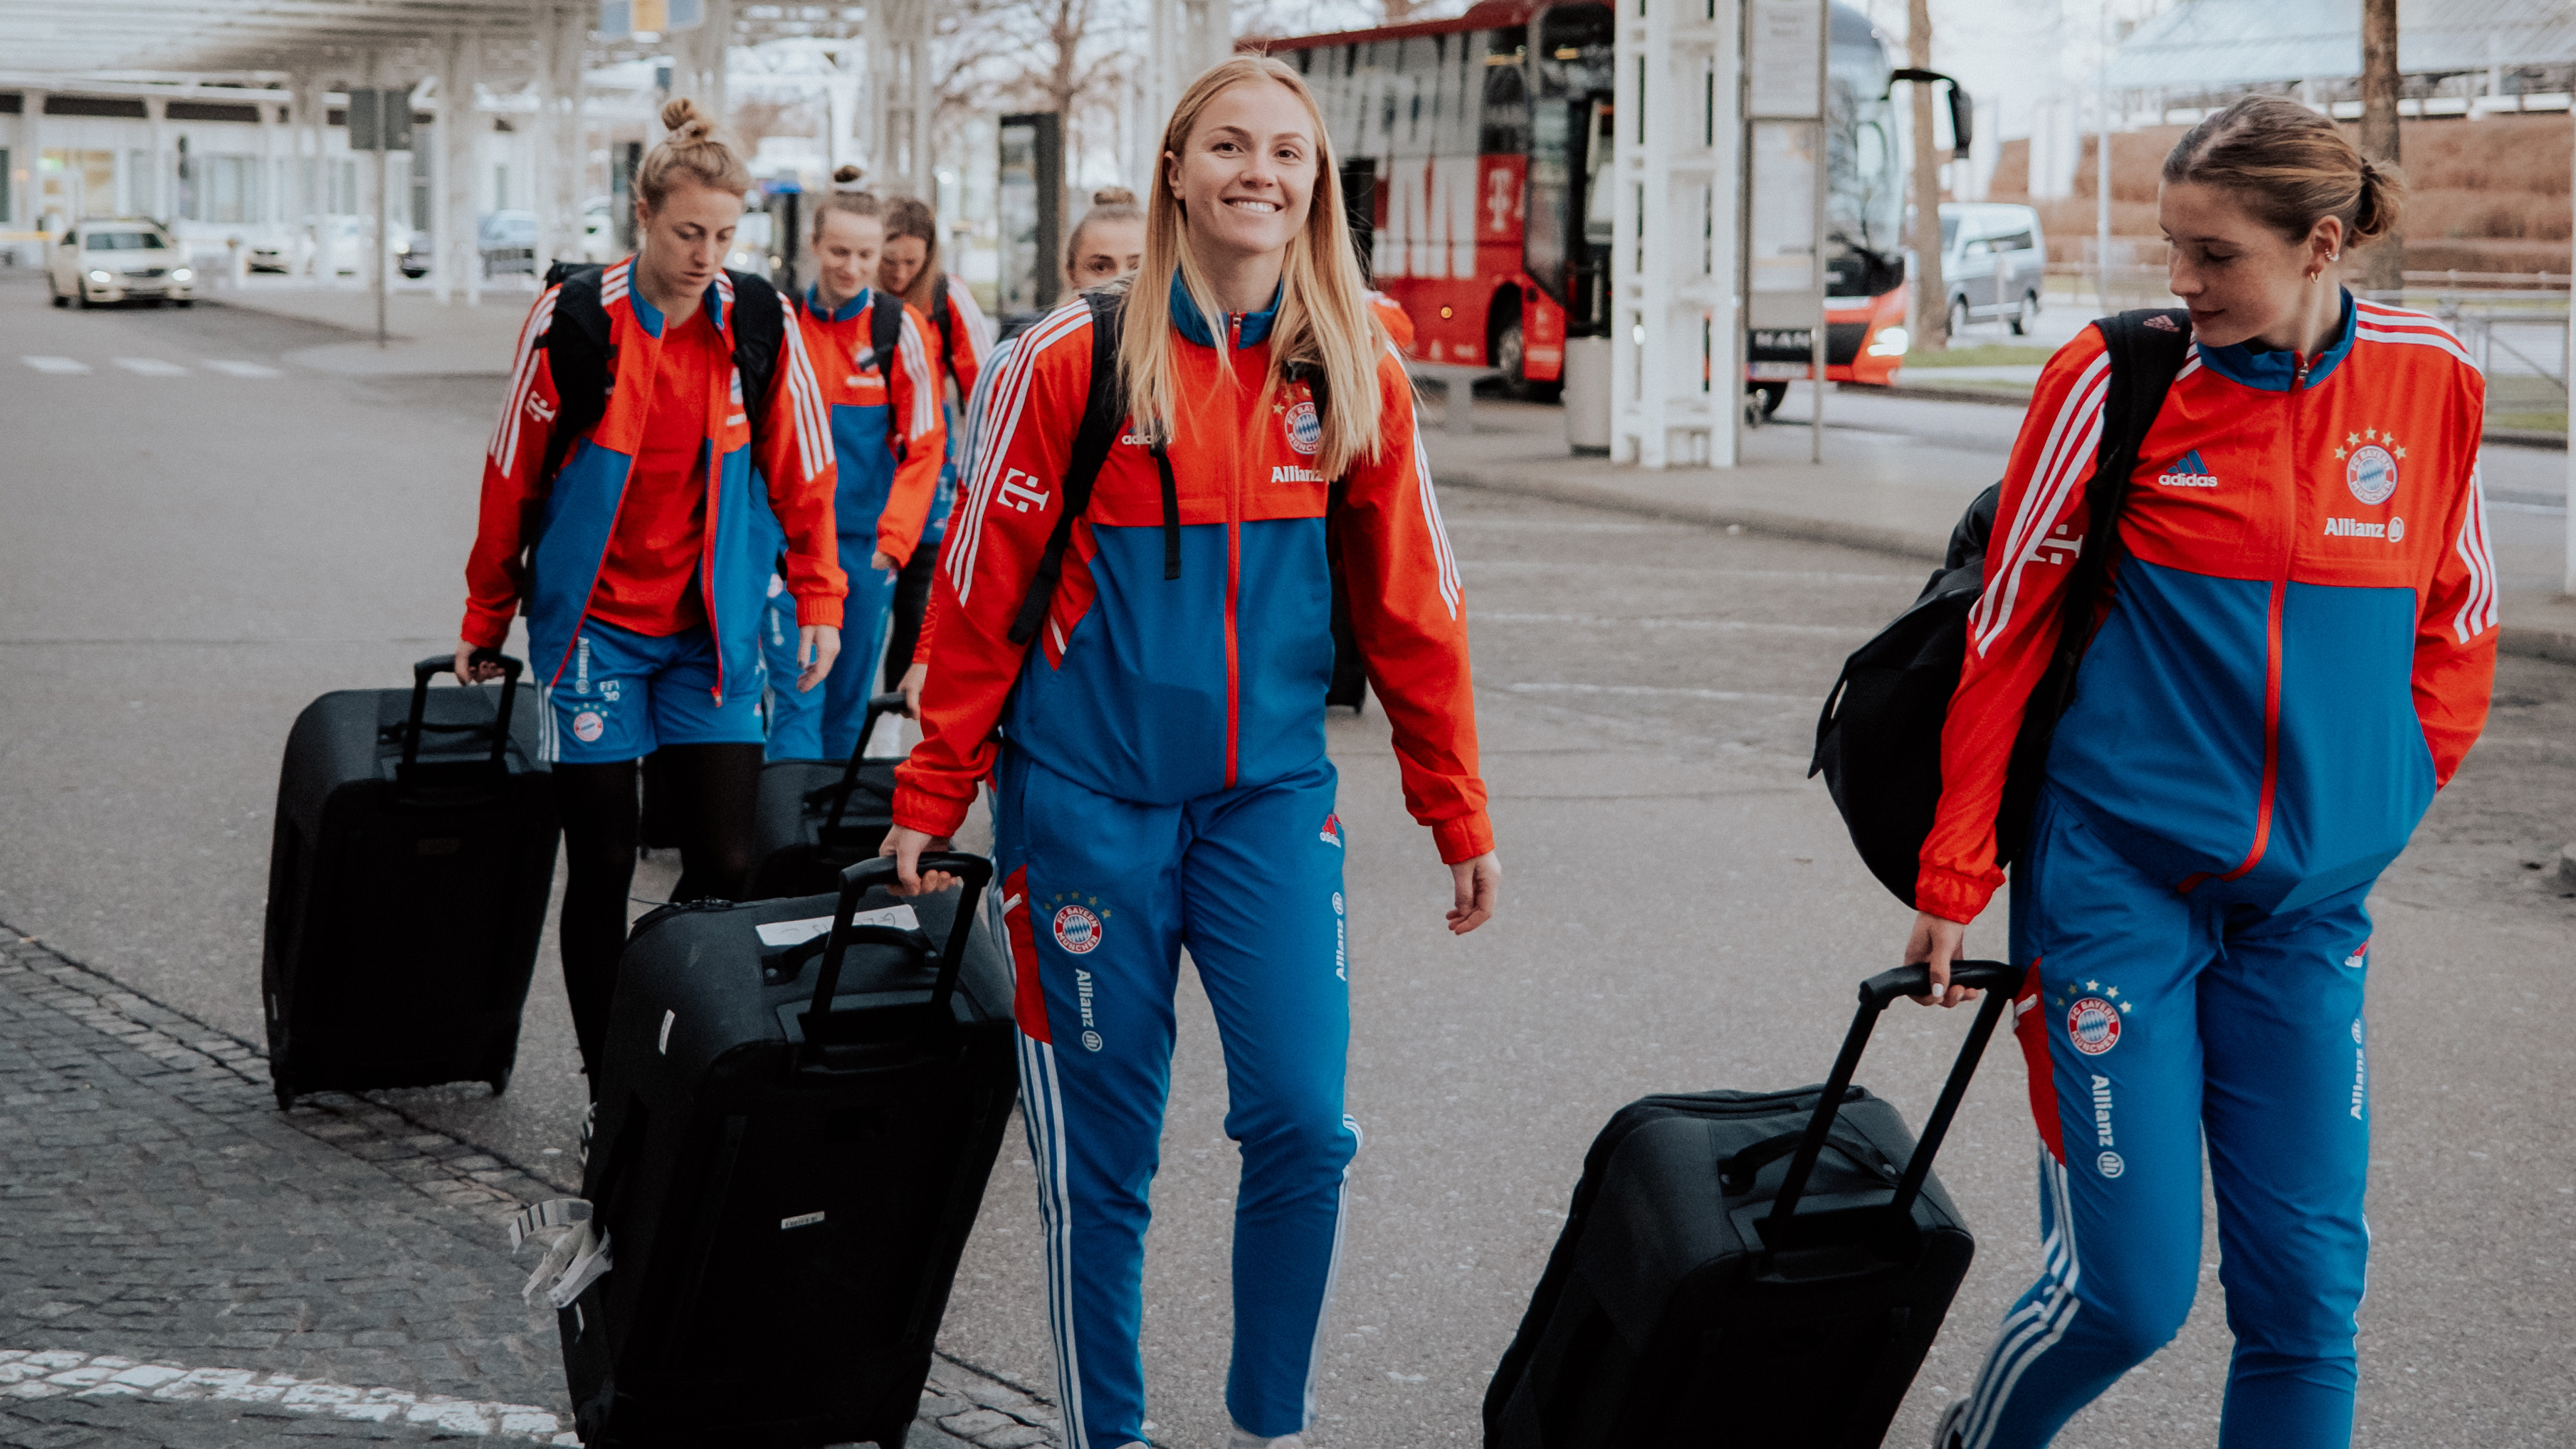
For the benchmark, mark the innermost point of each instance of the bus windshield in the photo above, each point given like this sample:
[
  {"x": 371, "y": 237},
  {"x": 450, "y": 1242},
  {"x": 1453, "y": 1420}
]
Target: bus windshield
[{"x": 1864, "y": 205}]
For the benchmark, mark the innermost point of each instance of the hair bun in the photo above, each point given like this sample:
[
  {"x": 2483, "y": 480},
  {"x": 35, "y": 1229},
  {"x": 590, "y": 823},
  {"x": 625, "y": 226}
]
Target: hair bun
[
  {"x": 680, "y": 117},
  {"x": 847, "y": 174},
  {"x": 1113, "y": 196}
]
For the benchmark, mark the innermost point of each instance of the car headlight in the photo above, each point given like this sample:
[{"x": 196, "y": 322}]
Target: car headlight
[
  {"x": 101, "y": 278},
  {"x": 1890, "y": 342},
  {"x": 181, "y": 275}
]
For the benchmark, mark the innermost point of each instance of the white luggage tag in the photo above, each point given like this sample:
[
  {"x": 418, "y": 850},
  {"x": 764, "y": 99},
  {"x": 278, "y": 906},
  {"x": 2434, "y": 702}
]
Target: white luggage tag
[{"x": 574, "y": 1257}]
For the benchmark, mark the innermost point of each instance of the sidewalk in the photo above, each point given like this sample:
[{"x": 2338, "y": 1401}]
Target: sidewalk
[
  {"x": 182, "y": 1265},
  {"x": 1876, "y": 490},
  {"x": 425, "y": 338}
]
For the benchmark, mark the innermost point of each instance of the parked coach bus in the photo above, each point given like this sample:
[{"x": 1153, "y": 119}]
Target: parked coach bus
[{"x": 1474, "y": 148}]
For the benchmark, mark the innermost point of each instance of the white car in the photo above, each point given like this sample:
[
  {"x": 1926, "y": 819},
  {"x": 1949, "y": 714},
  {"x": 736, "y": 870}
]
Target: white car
[{"x": 100, "y": 261}]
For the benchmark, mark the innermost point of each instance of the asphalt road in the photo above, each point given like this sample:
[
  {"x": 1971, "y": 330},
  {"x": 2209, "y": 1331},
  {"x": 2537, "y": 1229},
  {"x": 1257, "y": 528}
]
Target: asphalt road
[{"x": 190, "y": 557}]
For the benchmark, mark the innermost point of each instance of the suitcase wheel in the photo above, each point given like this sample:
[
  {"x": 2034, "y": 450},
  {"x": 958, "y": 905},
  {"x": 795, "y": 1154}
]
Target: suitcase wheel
[
  {"x": 285, "y": 1096},
  {"x": 500, "y": 1083}
]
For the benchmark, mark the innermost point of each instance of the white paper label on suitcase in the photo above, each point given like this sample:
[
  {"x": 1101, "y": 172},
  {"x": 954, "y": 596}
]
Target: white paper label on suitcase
[{"x": 796, "y": 933}]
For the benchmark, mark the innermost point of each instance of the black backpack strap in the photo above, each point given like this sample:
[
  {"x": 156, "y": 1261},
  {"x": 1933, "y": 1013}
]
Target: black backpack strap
[
  {"x": 947, "y": 325},
  {"x": 759, "y": 331},
  {"x": 579, "y": 357},
  {"x": 885, "y": 331},
  {"x": 1102, "y": 412},
  {"x": 885, "y": 335},
  {"x": 2146, "y": 348}
]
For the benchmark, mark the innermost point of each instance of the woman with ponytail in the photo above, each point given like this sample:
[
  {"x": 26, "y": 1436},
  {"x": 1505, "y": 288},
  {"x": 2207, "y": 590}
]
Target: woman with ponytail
[
  {"x": 889, "y": 443},
  {"x": 1155, "y": 731},
  {"x": 2295, "y": 654},
  {"x": 911, "y": 270},
  {"x": 636, "y": 496},
  {"x": 1107, "y": 243}
]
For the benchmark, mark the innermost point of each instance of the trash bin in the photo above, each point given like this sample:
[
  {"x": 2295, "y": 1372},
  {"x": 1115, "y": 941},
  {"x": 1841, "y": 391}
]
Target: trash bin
[{"x": 1587, "y": 396}]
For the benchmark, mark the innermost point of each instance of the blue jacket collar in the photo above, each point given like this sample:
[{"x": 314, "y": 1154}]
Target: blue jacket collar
[
  {"x": 1193, "y": 323},
  {"x": 651, "y": 316},
  {"x": 2273, "y": 369},
  {"x": 814, "y": 303}
]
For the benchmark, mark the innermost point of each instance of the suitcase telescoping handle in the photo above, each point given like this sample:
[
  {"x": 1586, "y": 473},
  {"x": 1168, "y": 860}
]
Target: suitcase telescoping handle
[
  {"x": 878, "y": 707},
  {"x": 1998, "y": 980},
  {"x": 858, "y": 880},
  {"x": 511, "y": 669}
]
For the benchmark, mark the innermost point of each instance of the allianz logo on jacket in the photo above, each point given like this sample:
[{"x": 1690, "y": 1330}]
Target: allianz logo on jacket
[{"x": 2188, "y": 472}]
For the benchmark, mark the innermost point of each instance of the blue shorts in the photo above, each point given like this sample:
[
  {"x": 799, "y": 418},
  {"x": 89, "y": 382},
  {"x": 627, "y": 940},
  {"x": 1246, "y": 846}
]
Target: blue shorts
[{"x": 625, "y": 695}]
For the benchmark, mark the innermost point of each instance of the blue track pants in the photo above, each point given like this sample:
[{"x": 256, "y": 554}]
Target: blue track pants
[
  {"x": 1098, "y": 897},
  {"x": 2154, "y": 1021},
  {"x": 823, "y": 723}
]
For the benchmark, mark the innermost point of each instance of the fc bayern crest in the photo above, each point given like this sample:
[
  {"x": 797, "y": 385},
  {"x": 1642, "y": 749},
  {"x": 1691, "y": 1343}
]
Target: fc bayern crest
[
  {"x": 2093, "y": 1025},
  {"x": 1077, "y": 930},
  {"x": 1305, "y": 428},
  {"x": 2371, "y": 474}
]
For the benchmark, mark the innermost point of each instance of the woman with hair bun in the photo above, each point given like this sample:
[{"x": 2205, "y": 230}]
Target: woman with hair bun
[
  {"x": 911, "y": 270},
  {"x": 639, "y": 543},
  {"x": 889, "y": 442},
  {"x": 2295, "y": 655},
  {"x": 1153, "y": 724}
]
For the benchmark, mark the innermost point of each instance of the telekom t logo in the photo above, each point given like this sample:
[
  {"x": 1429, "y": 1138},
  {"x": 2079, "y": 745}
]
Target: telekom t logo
[
  {"x": 1502, "y": 197},
  {"x": 1019, "y": 497}
]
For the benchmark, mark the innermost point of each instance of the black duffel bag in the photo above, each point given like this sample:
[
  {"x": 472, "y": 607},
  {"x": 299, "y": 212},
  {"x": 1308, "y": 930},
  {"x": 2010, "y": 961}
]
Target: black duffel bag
[{"x": 1878, "y": 740}]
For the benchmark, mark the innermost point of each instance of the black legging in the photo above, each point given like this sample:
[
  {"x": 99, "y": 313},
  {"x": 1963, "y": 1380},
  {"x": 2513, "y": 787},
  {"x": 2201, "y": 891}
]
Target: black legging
[{"x": 711, "y": 789}]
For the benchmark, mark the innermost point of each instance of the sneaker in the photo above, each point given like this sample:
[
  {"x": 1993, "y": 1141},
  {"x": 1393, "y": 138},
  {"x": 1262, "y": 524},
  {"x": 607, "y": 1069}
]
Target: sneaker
[
  {"x": 1945, "y": 1434},
  {"x": 1241, "y": 1438}
]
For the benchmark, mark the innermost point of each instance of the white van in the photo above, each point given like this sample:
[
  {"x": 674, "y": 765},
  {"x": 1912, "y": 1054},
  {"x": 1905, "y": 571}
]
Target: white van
[{"x": 1994, "y": 259}]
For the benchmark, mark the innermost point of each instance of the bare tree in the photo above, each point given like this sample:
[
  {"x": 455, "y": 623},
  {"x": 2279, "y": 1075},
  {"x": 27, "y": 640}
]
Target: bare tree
[
  {"x": 1072, "y": 57},
  {"x": 1931, "y": 297},
  {"x": 2385, "y": 269}
]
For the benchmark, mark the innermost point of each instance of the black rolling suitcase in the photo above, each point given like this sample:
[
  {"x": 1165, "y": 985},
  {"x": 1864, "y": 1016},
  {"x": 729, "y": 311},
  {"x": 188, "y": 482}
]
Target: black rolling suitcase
[
  {"x": 793, "y": 1139},
  {"x": 408, "y": 873},
  {"x": 816, "y": 818},
  {"x": 1748, "y": 1268}
]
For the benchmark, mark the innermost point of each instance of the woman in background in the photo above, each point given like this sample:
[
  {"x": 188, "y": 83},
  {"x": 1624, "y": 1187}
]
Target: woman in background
[
  {"x": 640, "y": 557},
  {"x": 910, "y": 268},
  {"x": 889, "y": 442},
  {"x": 1107, "y": 243}
]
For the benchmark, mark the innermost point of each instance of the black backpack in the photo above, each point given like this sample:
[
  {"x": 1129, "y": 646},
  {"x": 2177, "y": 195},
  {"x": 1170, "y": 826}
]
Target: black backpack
[
  {"x": 1103, "y": 412},
  {"x": 582, "y": 360},
  {"x": 581, "y": 357},
  {"x": 1878, "y": 740}
]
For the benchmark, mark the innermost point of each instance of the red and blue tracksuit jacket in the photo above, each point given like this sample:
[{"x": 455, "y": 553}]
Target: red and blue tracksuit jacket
[
  {"x": 888, "y": 434},
  {"x": 2295, "y": 655},
  {"x": 1161, "y": 692},
  {"x": 1165, "y": 789},
  {"x": 2301, "y": 634},
  {"x": 540, "y": 542}
]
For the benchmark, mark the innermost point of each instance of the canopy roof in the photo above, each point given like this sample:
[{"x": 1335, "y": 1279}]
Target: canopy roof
[
  {"x": 2207, "y": 45},
  {"x": 238, "y": 35}
]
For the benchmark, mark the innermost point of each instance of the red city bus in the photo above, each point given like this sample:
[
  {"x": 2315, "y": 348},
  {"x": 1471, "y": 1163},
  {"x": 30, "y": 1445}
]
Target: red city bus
[{"x": 1472, "y": 152}]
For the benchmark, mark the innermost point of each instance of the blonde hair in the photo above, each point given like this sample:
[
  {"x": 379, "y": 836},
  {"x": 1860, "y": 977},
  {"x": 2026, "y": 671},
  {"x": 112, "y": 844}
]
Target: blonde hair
[
  {"x": 912, "y": 216},
  {"x": 2291, "y": 168},
  {"x": 1324, "y": 319},
  {"x": 692, "y": 155},
  {"x": 856, "y": 203},
  {"x": 1109, "y": 203}
]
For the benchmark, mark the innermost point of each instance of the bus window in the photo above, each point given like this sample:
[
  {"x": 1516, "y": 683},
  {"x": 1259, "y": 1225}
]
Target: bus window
[
  {"x": 1550, "y": 195},
  {"x": 1504, "y": 127}
]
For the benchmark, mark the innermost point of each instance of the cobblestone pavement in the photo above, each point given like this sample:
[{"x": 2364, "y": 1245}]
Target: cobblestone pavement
[{"x": 182, "y": 1265}]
